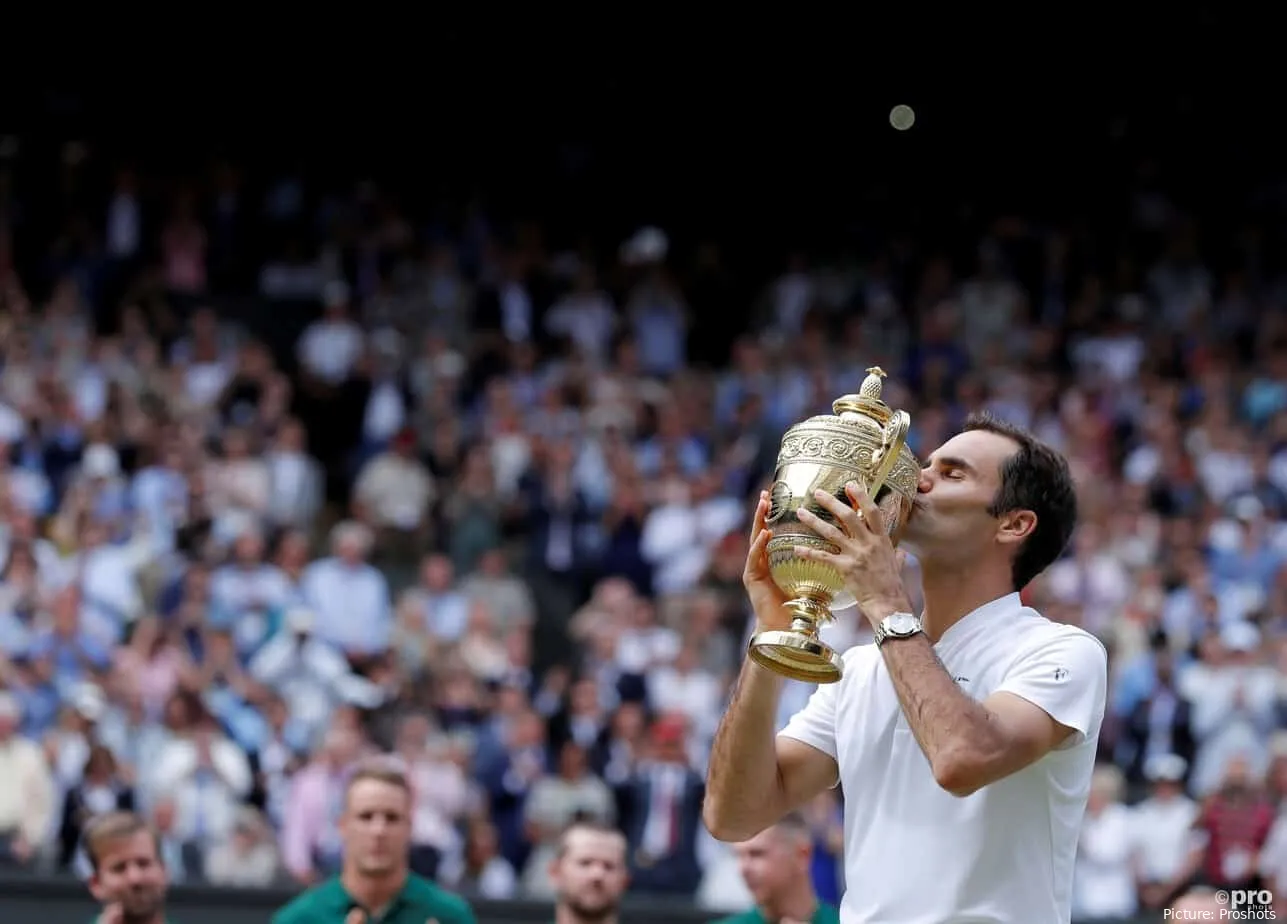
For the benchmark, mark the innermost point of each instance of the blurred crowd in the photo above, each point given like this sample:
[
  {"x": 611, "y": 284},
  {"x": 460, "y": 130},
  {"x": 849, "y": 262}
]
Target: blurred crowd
[{"x": 486, "y": 508}]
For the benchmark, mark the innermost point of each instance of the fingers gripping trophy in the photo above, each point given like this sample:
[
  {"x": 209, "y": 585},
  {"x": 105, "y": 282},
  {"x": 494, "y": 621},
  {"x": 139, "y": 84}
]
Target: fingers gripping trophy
[{"x": 864, "y": 441}]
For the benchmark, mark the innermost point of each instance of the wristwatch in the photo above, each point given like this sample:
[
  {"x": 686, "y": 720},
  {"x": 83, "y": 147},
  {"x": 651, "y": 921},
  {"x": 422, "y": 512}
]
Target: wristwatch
[{"x": 898, "y": 625}]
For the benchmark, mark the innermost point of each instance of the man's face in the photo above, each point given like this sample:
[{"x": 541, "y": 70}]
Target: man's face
[
  {"x": 350, "y": 551},
  {"x": 130, "y": 873},
  {"x": 771, "y": 862},
  {"x": 960, "y": 479},
  {"x": 376, "y": 827},
  {"x": 590, "y": 877}
]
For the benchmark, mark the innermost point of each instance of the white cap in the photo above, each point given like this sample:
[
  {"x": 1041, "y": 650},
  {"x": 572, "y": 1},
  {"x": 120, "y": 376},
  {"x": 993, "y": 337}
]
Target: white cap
[
  {"x": 10, "y": 708},
  {"x": 300, "y": 619},
  {"x": 1168, "y": 768},
  {"x": 1240, "y": 636},
  {"x": 100, "y": 461},
  {"x": 89, "y": 702}
]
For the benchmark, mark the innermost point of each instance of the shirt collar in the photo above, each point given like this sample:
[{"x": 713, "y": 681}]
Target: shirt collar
[{"x": 338, "y": 898}]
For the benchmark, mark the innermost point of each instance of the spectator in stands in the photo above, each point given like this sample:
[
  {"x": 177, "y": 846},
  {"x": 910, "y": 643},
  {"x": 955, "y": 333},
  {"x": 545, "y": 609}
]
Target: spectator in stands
[
  {"x": 589, "y": 875},
  {"x": 100, "y": 791},
  {"x": 26, "y": 790},
  {"x": 309, "y": 673},
  {"x": 392, "y": 496},
  {"x": 508, "y": 774},
  {"x": 480, "y": 869},
  {"x": 129, "y": 876},
  {"x": 572, "y": 793},
  {"x": 661, "y": 809},
  {"x": 375, "y": 829},
  {"x": 349, "y": 597},
  {"x": 207, "y": 775},
  {"x": 825, "y": 817},
  {"x": 776, "y": 867},
  {"x": 1103, "y": 881},
  {"x": 247, "y": 856},
  {"x": 1234, "y": 695},
  {"x": 440, "y": 792},
  {"x": 1163, "y": 832},
  {"x": 1235, "y": 824},
  {"x": 309, "y": 829}
]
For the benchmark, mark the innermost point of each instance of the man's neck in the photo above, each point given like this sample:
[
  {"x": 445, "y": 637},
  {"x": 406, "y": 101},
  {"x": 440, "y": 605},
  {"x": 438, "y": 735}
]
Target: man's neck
[
  {"x": 952, "y": 595},
  {"x": 565, "y": 915},
  {"x": 374, "y": 893},
  {"x": 799, "y": 904}
]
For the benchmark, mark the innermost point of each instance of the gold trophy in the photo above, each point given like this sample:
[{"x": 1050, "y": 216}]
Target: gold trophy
[{"x": 866, "y": 441}]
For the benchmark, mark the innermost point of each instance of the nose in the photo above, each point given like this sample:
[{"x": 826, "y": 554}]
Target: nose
[{"x": 924, "y": 484}]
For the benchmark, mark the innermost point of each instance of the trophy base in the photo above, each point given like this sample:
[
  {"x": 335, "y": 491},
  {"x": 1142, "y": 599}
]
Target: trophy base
[
  {"x": 797, "y": 652},
  {"x": 796, "y": 655}
]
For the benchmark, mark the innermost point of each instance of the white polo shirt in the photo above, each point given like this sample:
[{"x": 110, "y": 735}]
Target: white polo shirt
[{"x": 916, "y": 854}]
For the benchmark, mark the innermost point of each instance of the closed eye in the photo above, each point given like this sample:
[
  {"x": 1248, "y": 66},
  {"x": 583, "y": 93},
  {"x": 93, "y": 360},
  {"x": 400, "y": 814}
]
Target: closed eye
[{"x": 955, "y": 469}]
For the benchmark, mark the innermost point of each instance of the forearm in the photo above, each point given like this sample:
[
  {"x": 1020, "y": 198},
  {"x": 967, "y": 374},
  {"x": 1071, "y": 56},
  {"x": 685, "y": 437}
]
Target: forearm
[
  {"x": 744, "y": 788},
  {"x": 953, "y": 730}
]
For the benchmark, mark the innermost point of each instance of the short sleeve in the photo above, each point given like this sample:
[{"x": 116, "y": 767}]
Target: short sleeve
[
  {"x": 1067, "y": 677},
  {"x": 815, "y": 723}
]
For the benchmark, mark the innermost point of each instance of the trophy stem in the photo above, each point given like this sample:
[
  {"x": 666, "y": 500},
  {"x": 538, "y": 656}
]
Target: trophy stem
[
  {"x": 809, "y": 612},
  {"x": 797, "y": 652}
]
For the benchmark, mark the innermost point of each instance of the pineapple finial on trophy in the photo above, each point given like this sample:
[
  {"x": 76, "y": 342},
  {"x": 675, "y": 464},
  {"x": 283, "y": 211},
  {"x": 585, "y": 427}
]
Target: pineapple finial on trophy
[{"x": 872, "y": 385}]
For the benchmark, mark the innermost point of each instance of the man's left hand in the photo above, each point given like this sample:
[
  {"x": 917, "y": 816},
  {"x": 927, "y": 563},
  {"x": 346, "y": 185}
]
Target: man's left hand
[{"x": 865, "y": 556}]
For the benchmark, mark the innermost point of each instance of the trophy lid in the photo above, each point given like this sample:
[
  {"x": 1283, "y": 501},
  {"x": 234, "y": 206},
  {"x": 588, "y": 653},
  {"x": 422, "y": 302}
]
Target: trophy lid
[{"x": 867, "y": 402}]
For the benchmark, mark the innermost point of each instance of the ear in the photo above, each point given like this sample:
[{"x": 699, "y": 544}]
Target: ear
[
  {"x": 1016, "y": 526},
  {"x": 554, "y": 870},
  {"x": 96, "y": 888}
]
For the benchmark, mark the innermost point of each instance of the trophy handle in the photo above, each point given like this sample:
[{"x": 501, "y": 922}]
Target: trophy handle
[{"x": 892, "y": 442}]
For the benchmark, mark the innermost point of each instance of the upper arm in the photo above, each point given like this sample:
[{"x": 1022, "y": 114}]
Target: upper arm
[
  {"x": 1066, "y": 680},
  {"x": 806, "y": 749},
  {"x": 804, "y": 771},
  {"x": 1054, "y": 698}
]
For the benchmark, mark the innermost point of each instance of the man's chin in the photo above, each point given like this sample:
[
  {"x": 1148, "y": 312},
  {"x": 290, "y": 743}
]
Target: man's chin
[
  {"x": 600, "y": 906},
  {"x": 378, "y": 866},
  {"x": 140, "y": 907}
]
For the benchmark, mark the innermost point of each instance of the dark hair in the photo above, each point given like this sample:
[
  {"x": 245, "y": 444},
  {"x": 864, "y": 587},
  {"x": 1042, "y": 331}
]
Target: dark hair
[{"x": 1036, "y": 478}]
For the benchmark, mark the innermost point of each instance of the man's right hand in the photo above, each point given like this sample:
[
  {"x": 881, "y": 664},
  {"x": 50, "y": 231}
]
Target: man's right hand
[
  {"x": 767, "y": 599},
  {"x": 113, "y": 913}
]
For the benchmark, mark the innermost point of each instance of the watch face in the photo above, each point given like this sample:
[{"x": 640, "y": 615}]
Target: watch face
[{"x": 902, "y": 624}]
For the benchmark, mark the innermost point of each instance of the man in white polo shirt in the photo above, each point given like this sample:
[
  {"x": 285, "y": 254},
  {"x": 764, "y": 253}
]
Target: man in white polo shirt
[{"x": 964, "y": 738}]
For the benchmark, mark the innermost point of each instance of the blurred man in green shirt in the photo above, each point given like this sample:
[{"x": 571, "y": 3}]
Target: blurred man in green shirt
[
  {"x": 127, "y": 876},
  {"x": 775, "y": 864},
  {"x": 375, "y": 885},
  {"x": 589, "y": 874}
]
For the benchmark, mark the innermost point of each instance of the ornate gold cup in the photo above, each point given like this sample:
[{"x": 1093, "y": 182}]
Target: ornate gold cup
[{"x": 866, "y": 441}]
